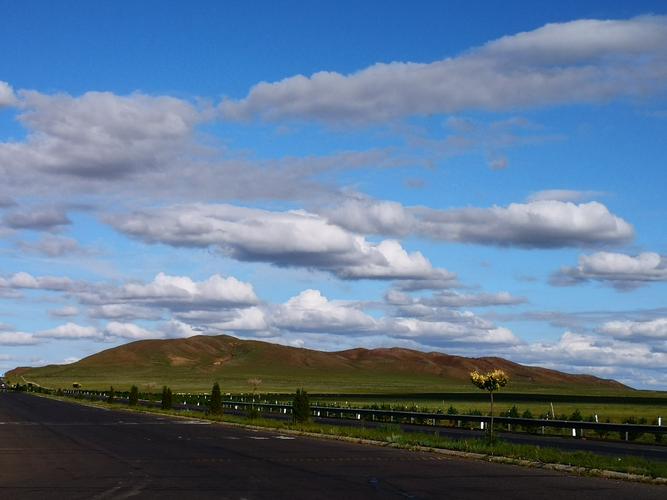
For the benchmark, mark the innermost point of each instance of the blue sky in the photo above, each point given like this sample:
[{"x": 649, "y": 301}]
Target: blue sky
[{"x": 478, "y": 178}]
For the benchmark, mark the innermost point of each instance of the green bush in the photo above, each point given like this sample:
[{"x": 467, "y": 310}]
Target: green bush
[
  {"x": 112, "y": 395},
  {"x": 133, "y": 398},
  {"x": 633, "y": 435},
  {"x": 215, "y": 405},
  {"x": 301, "y": 406},
  {"x": 166, "y": 398}
]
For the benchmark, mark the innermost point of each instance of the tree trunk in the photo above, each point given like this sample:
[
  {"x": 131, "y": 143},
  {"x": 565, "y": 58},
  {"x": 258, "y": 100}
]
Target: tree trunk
[{"x": 491, "y": 428}]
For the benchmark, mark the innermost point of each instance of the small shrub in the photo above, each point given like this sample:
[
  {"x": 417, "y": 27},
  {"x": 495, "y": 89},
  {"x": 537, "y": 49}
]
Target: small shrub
[
  {"x": 452, "y": 411},
  {"x": 112, "y": 395},
  {"x": 513, "y": 412},
  {"x": 576, "y": 416},
  {"x": 215, "y": 405},
  {"x": 528, "y": 428},
  {"x": 133, "y": 398},
  {"x": 166, "y": 398},
  {"x": 301, "y": 406},
  {"x": 60, "y": 392}
]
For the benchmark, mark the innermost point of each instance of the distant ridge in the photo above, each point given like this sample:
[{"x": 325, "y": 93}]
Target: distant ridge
[{"x": 194, "y": 363}]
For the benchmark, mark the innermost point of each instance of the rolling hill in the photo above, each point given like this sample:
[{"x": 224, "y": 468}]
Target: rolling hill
[{"x": 194, "y": 363}]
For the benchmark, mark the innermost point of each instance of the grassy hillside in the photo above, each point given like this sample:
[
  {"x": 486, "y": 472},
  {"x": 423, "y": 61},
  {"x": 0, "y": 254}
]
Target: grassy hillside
[{"x": 193, "y": 364}]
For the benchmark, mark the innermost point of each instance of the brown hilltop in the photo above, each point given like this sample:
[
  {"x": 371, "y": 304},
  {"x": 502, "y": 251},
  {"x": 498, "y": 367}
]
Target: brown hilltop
[{"x": 192, "y": 363}]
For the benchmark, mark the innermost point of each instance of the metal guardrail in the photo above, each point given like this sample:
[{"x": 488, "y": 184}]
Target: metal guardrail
[
  {"x": 434, "y": 418},
  {"x": 409, "y": 417}
]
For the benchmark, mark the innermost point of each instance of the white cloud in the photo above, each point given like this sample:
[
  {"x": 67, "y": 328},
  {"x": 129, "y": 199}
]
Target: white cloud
[
  {"x": 99, "y": 134},
  {"x": 53, "y": 246},
  {"x": 456, "y": 299},
  {"x": 537, "y": 224},
  {"x": 577, "y": 350},
  {"x": 17, "y": 338},
  {"x": 655, "y": 329},
  {"x": 64, "y": 312},
  {"x": 578, "y": 61},
  {"x": 310, "y": 311},
  {"x": 178, "y": 329},
  {"x": 181, "y": 291},
  {"x": 71, "y": 331},
  {"x": 565, "y": 195},
  {"x": 442, "y": 332},
  {"x": 248, "y": 319},
  {"x": 123, "y": 312},
  {"x": 37, "y": 219},
  {"x": 621, "y": 271},
  {"x": 23, "y": 280},
  {"x": 128, "y": 331},
  {"x": 290, "y": 239},
  {"x": 7, "y": 96}
]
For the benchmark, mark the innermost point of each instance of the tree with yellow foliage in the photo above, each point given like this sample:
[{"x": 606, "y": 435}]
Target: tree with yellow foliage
[{"x": 491, "y": 382}]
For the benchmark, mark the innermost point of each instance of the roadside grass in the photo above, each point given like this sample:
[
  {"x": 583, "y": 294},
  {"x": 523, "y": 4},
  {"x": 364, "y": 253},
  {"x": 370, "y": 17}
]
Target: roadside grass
[{"x": 393, "y": 435}]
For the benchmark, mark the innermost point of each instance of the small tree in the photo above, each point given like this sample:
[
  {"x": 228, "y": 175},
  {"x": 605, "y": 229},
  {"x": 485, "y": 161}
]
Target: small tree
[
  {"x": 215, "y": 406},
  {"x": 134, "y": 396},
  {"x": 301, "y": 406},
  {"x": 166, "y": 398},
  {"x": 491, "y": 382},
  {"x": 112, "y": 395}
]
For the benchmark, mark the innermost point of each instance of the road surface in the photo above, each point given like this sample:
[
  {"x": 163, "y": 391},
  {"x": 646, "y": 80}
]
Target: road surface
[{"x": 51, "y": 449}]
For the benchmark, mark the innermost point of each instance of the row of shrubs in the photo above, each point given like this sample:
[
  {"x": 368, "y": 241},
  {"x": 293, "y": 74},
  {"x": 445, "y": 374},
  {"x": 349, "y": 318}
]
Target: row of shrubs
[{"x": 300, "y": 405}]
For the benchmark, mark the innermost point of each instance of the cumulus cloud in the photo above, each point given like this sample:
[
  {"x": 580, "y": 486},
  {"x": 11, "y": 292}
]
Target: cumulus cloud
[
  {"x": 53, "y": 246},
  {"x": 17, "y": 338},
  {"x": 584, "y": 351},
  {"x": 442, "y": 332},
  {"x": 23, "y": 280},
  {"x": 537, "y": 224},
  {"x": 177, "y": 292},
  {"x": 623, "y": 272},
  {"x": 128, "y": 331},
  {"x": 289, "y": 239},
  {"x": 578, "y": 61},
  {"x": 71, "y": 331},
  {"x": 655, "y": 329},
  {"x": 37, "y": 219},
  {"x": 99, "y": 134},
  {"x": 7, "y": 96},
  {"x": 310, "y": 311},
  {"x": 130, "y": 146},
  {"x": 123, "y": 311}
]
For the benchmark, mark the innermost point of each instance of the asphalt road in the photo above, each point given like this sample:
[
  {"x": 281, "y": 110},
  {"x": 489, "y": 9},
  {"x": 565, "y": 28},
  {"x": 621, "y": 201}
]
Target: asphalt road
[{"x": 51, "y": 449}]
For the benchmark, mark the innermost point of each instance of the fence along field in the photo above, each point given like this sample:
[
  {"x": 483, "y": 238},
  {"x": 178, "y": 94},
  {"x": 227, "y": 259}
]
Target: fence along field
[{"x": 384, "y": 410}]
